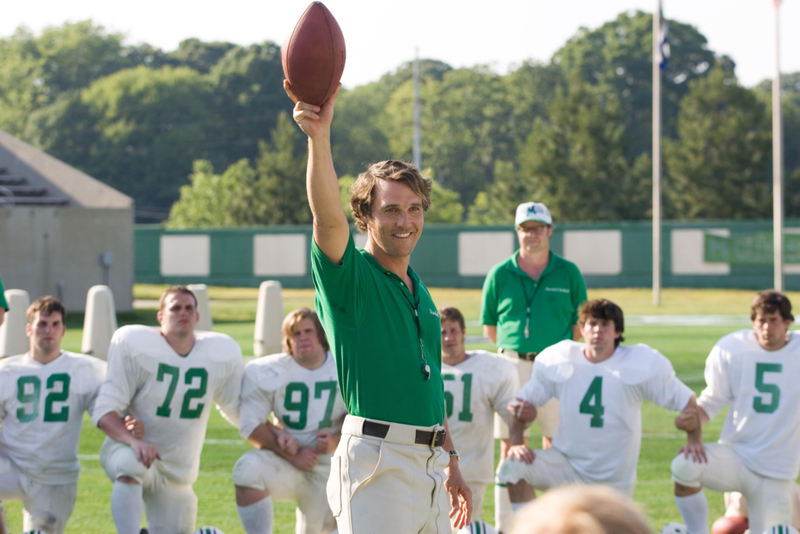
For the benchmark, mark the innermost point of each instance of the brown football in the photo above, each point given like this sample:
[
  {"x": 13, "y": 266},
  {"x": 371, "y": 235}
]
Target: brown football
[
  {"x": 730, "y": 525},
  {"x": 313, "y": 55}
]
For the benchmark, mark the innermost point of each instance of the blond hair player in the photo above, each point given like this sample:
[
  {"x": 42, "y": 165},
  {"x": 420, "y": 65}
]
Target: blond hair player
[{"x": 292, "y": 463}]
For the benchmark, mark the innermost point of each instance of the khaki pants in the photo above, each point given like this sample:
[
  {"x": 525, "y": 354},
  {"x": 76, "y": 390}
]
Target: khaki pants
[{"x": 388, "y": 485}]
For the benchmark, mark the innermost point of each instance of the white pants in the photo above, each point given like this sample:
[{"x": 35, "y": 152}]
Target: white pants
[
  {"x": 769, "y": 499},
  {"x": 46, "y": 508},
  {"x": 171, "y": 507},
  {"x": 547, "y": 416},
  {"x": 388, "y": 485},
  {"x": 265, "y": 470},
  {"x": 550, "y": 469}
]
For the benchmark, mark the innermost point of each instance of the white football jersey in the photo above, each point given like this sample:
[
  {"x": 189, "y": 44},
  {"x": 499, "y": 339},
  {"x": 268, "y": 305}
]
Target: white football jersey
[
  {"x": 304, "y": 401},
  {"x": 171, "y": 394},
  {"x": 41, "y": 412},
  {"x": 600, "y": 431},
  {"x": 762, "y": 388},
  {"x": 474, "y": 390}
]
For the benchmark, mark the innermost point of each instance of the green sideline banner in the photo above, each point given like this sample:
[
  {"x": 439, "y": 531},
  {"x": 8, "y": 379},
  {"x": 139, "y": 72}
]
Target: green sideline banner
[{"x": 749, "y": 249}]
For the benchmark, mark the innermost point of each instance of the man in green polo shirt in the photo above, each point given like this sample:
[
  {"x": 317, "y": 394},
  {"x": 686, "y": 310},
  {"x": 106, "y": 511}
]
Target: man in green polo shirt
[
  {"x": 530, "y": 301},
  {"x": 395, "y": 463}
]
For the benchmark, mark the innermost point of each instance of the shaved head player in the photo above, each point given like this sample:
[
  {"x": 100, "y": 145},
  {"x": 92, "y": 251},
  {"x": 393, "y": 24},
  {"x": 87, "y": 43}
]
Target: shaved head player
[
  {"x": 385, "y": 335},
  {"x": 169, "y": 377}
]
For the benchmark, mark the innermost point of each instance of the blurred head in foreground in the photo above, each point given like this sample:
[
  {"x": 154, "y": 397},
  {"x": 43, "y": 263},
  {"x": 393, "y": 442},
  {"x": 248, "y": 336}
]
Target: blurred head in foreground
[{"x": 581, "y": 510}]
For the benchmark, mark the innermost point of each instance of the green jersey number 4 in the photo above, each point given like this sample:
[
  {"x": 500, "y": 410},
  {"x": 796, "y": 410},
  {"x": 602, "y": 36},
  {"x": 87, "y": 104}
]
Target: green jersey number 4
[{"x": 592, "y": 402}]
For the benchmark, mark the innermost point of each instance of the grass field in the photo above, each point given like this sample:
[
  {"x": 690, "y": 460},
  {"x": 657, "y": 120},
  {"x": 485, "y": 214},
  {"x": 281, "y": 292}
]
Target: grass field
[{"x": 234, "y": 312}]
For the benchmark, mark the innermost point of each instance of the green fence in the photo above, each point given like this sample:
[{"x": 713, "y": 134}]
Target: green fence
[{"x": 724, "y": 254}]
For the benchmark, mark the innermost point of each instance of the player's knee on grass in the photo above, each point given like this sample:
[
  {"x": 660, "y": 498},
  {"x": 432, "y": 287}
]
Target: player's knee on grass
[
  {"x": 247, "y": 472},
  {"x": 686, "y": 471},
  {"x": 121, "y": 463}
]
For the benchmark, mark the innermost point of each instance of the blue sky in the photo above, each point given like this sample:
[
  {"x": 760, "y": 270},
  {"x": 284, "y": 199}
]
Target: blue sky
[{"x": 382, "y": 35}]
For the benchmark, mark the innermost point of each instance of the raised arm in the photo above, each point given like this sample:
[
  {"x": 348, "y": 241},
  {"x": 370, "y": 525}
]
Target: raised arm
[{"x": 331, "y": 231}]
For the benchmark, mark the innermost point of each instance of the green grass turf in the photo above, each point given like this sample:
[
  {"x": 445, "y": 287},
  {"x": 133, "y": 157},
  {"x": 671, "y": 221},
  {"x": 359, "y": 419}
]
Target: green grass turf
[{"x": 234, "y": 312}]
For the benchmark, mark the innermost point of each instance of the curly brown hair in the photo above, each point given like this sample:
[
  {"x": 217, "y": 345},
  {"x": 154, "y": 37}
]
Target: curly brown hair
[
  {"x": 362, "y": 193},
  {"x": 771, "y": 301},
  {"x": 604, "y": 310}
]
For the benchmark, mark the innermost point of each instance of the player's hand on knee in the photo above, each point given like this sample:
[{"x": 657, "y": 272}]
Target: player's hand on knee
[
  {"x": 145, "y": 452},
  {"x": 134, "y": 426},
  {"x": 695, "y": 451},
  {"x": 326, "y": 442},
  {"x": 288, "y": 444},
  {"x": 522, "y": 453},
  {"x": 305, "y": 459}
]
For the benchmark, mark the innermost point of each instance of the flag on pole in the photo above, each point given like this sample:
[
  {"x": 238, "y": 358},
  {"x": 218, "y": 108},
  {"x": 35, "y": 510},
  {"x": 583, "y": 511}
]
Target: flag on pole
[
  {"x": 663, "y": 44},
  {"x": 776, "y": 3}
]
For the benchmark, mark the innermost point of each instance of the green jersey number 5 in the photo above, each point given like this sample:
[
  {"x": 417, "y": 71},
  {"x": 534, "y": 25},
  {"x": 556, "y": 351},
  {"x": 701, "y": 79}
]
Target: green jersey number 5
[
  {"x": 772, "y": 389},
  {"x": 592, "y": 402}
]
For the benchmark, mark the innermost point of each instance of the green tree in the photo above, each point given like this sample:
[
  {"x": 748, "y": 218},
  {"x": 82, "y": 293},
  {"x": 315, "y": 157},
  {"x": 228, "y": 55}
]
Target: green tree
[
  {"x": 790, "y": 111},
  {"x": 619, "y": 54},
  {"x": 213, "y": 200},
  {"x": 531, "y": 88},
  {"x": 199, "y": 55},
  {"x": 575, "y": 161},
  {"x": 36, "y": 70},
  {"x": 151, "y": 124},
  {"x": 719, "y": 169},
  {"x": 464, "y": 128},
  {"x": 360, "y": 134},
  {"x": 282, "y": 176},
  {"x": 64, "y": 129},
  {"x": 497, "y": 204},
  {"x": 248, "y": 94},
  {"x": 445, "y": 206}
]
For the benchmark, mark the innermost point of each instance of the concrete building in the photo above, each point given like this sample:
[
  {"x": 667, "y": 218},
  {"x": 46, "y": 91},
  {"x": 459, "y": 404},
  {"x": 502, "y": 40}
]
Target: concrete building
[{"x": 61, "y": 231}]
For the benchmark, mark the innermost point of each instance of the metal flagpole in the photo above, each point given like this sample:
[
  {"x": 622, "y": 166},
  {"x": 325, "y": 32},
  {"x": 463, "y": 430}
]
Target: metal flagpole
[
  {"x": 417, "y": 134},
  {"x": 656, "y": 156},
  {"x": 777, "y": 159}
]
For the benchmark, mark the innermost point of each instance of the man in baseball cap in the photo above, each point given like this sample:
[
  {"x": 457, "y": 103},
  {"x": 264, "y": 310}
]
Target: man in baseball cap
[
  {"x": 530, "y": 301},
  {"x": 533, "y": 211}
]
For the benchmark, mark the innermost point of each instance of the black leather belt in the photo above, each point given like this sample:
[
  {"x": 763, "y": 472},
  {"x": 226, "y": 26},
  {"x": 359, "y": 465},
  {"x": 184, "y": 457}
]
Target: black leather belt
[
  {"x": 424, "y": 437},
  {"x": 527, "y": 356}
]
